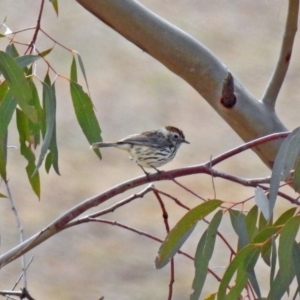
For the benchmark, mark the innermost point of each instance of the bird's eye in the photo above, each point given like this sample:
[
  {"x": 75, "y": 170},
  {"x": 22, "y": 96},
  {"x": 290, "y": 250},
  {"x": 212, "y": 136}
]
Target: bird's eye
[{"x": 176, "y": 136}]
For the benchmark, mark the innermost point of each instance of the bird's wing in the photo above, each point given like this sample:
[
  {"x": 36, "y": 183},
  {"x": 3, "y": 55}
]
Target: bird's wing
[{"x": 148, "y": 138}]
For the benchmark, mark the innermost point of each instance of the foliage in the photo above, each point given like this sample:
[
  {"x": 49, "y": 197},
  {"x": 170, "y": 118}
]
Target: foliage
[
  {"x": 259, "y": 237},
  {"x": 36, "y": 114}
]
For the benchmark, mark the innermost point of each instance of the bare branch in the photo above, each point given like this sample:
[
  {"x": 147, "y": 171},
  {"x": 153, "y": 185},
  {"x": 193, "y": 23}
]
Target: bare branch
[
  {"x": 62, "y": 222},
  {"x": 21, "y": 231},
  {"x": 282, "y": 65}
]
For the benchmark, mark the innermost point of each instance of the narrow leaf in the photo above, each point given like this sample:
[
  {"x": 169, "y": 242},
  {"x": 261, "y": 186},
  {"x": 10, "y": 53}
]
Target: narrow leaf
[
  {"x": 296, "y": 262},
  {"x": 279, "y": 165},
  {"x": 18, "y": 84},
  {"x": 49, "y": 109},
  {"x": 262, "y": 202},
  {"x": 239, "y": 225},
  {"x": 204, "y": 253},
  {"x": 85, "y": 114},
  {"x": 81, "y": 65},
  {"x": 11, "y": 50},
  {"x": 264, "y": 237},
  {"x": 3, "y": 156},
  {"x": 251, "y": 221},
  {"x": 286, "y": 244},
  {"x": 73, "y": 72},
  {"x": 35, "y": 128},
  {"x": 24, "y": 61},
  {"x": 55, "y": 6},
  {"x": 3, "y": 89},
  {"x": 273, "y": 260},
  {"x": 296, "y": 177},
  {"x": 45, "y": 52},
  {"x": 182, "y": 230},
  {"x": 286, "y": 216},
  {"x": 53, "y": 154},
  {"x": 23, "y": 128},
  {"x": 240, "y": 261},
  {"x": 7, "y": 108},
  {"x": 211, "y": 297},
  {"x": 281, "y": 284},
  {"x": 265, "y": 234}
]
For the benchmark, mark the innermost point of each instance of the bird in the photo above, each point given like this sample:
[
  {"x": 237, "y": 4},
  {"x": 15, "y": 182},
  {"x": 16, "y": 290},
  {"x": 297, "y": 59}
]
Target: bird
[{"x": 150, "y": 149}]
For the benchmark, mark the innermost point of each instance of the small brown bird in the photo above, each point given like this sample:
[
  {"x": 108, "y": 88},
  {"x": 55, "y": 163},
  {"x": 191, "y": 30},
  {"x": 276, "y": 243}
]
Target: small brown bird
[{"x": 150, "y": 149}]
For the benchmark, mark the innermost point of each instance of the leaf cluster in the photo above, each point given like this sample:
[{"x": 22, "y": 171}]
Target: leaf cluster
[{"x": 36, "y": 114}]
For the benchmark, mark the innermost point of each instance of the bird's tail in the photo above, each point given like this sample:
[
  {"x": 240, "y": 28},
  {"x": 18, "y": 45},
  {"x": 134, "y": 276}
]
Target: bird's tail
[{"x": 102, "y": 144}]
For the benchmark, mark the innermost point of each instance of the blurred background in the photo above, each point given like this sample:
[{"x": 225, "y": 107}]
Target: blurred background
[{"x": 132, "y": 93}]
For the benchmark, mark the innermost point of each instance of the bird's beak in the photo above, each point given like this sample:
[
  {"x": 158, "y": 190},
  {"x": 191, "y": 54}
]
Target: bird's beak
[{"x": 184, "y": 141}]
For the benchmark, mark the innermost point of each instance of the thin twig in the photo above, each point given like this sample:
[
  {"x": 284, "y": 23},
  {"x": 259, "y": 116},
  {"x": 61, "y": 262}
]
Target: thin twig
[
  {"x": 172, "y": 198},
  {"x": 142, "y": 233},
  {"x": 60, "y": 224},
  {"x": 188, "y": 190},
  {"x": 167, "y": 226},
  {"x": 20, "y": 228},
  {"x": 213, "y": 181},
  {"x": 21, "y": 276}
]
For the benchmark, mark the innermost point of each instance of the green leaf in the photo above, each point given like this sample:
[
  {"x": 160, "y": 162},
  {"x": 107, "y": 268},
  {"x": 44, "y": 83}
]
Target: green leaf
[
  {"x": 239, "y": 225},
  {"x": 81, "y": 65},
  {"x": 286, "y": 273},
  {"x": 3, "y": 90},
  {"x": 264, "y": 238},
  {"x": 280, "y": 285},
  {"x": 243, "y": 261},
  {"x": 251, "y": 220},
  {"x": 35, "y": 128},
  {"x": 262, "y": 222},
  {"x": 84, "y": 110},
  {"x": 296, "y": 262},
  {"x": 85, "y": 114},
  {"x": 285, "y": 248},
  {"x": 24, "y": 61},
  {"x": 7, "y": 108},
  {"x": 3, "y": 157},
  {"x": 296, "y": 177},
  {"x": 284, "y": 162},
  {"x": 48, "y": 162},
  {"x": 286, "y": 216},
  {"x": 265, "y": 234},
  {"x": 18, "y": 84},
  {"x": 3, "y": 196},
  {"x": 211, "y": 297},
  {"x": 273, "y": 251},
  {"x": 178, "y": 235},
  {"x": 55, "y": 6},
  {"x": 50, "y": 111},
  {"x": 23, "y": 128},
  {"x": 204, "y": 253},
  {"x": 11, "y": 50},
  {"x": 262, "y": 202},
  {"x": 73, "y": 72},
  {"x": 53, "y": 154},
  {"x": 45, "y": 52}
]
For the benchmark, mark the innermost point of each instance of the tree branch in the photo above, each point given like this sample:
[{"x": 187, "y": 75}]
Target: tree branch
[
  {"x": 60, "y": 223},
  {"x": 194, "y": 63},
  {"x": 275, "y": 83}
]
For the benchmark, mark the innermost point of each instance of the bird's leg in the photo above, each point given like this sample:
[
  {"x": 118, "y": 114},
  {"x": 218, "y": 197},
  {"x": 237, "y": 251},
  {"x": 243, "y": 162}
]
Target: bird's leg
[
  {"x": 146, "y": 173},
  {"x": 159, "y": 172}
]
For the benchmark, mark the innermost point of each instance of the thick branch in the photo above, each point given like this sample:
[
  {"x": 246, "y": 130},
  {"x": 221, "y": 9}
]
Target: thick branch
[
  {"x": 282, "y": 65},
  {"x": 193, "y": 62}
]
